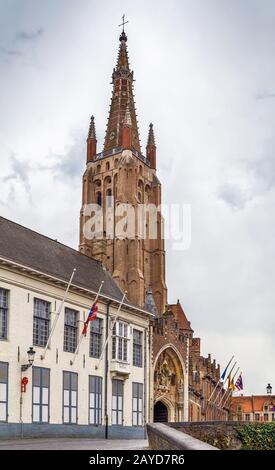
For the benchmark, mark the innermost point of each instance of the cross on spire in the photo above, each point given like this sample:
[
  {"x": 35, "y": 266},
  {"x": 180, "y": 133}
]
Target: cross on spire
[{"x": 123, "y": 23}]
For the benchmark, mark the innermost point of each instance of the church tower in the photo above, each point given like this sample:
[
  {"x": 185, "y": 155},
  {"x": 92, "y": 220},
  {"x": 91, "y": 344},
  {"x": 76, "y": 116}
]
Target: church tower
[{"x": 120, "y": 175}]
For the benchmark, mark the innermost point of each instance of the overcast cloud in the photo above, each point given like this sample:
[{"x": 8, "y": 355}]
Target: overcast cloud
[{"x": 205, "y": 75}]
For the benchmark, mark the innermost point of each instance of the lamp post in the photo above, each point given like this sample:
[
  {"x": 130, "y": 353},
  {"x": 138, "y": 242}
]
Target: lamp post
[
  {"x": 268, "y": 389},
  {"x": 31, "y": 354}
]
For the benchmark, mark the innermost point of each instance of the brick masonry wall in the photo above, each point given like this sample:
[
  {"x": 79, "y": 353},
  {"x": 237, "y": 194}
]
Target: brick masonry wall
[{"x": 219, "y": 434}]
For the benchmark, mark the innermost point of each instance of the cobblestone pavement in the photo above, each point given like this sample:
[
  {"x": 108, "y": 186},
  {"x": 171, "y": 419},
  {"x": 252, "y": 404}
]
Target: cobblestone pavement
[{"x": 73, "y": 444}]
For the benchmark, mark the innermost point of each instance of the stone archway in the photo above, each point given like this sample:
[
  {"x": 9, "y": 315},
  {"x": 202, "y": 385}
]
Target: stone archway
[
  {"x": 160, "y": 412},
  {"x": 169, "y": 385}
]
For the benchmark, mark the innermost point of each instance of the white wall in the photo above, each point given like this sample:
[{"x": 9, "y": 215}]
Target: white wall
[{"x": 23, "y": 289}]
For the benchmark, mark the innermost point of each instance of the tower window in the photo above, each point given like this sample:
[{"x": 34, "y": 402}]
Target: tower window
[
  {"x": 99, "y": 199},
  {"x": 109, "y": 198},
  {"x": 98, "y": 168},
  {"x": 107, "y": 166}
]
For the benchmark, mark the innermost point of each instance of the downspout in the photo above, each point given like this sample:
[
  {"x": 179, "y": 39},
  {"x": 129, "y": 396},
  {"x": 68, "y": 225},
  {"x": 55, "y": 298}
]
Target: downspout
[{"x": 106, "y": 373}]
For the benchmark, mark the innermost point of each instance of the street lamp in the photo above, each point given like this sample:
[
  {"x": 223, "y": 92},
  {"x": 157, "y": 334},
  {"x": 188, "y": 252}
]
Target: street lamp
[
  {"x": 31, "y": 354},
  {"x": 268, "y": 389}
]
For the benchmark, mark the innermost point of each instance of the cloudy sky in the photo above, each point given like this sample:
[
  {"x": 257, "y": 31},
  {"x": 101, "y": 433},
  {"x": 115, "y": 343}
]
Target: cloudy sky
[{"x": 205, "y": 75}]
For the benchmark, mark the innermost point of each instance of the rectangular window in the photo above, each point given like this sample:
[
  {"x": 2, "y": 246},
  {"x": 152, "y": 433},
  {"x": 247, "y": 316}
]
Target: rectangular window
[
  {"x": 4, "y": 367},
  {"x": 96, "y": 337},
  {"x": 70, "y": 397},
  {"x": 247, "y": 417},
  {"x": 120, "y": 341},
  {"x": 117, "y": 402},
  {"x": 70, "y": 330},
  {"x": 41, "y": 322},
  {"x": 265, "y": 416},
  {"x": 95, "y": 399},
  {"x": 273, "y": 417},
  {"x": 3, "y": 313},
  {"x": 137, "y": 404},
  {"x": 40, "y": 394},
  {"x": 137, "y": 348},
  {"x": 257, "y": 417}
]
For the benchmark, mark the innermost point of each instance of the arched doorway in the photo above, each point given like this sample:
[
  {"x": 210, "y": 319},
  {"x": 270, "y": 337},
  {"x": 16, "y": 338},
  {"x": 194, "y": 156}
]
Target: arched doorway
[{"x": 160, "y": 413}]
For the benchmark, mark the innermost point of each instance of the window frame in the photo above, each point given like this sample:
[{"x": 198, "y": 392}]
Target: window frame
[
  {"x": 70, "y": 390},
  {"x": 40, "y": 404},
  {"x": 40, "y": 320},
  {"x": 120, "y": 342},
  {"x": 98, "y": 335},
  {"x": 97, "y": 410},
  {"x": 117, "y": 409},
  {"x": 71, "y": 329},
  {"x": 6, "y": 402},
  {"x": 4, "y": 310},
  {"x": 140, "y": 396},
  {"x": 138, "y": 346}
]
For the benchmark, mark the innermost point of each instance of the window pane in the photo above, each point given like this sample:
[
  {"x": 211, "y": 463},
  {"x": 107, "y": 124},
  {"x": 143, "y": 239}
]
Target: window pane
[
  {"x": 44, "y": 414},
  {"x": 92, "y": 417},
  {"x": 36, "y": 413},
  {"x": 73, "y": 415},
  {"x": 66, "y": 380},
  {"x": 3, "y": 372},
  {"x": 134, "y": 404},
  {"x": 119, "y": 417},
  {"x": 114, "y": 417},
  {"x": 3, "y": 412},
  {"x": 66, "y": 415},
  {"x": 36, "y": 395},
  {"x": 92, "y": 400},
  {"x": 74, "y": 381},
  {"x": 73, "y": 398},
  {"x": 36, "y": 376},
  {"x": 66, "y": 397},
  {"x": 3, "y": 392},
  {"x": 45, "y": 378},
  {"x": 114, "y": 402},
  {"x": 45, "y": 396},
  {"x": 135, "y": 419},
  {"x": 120, "y": 403}
]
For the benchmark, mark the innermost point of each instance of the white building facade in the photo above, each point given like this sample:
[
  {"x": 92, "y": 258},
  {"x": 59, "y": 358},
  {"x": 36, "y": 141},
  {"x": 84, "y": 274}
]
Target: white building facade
[{"x": 99, "y": 389}]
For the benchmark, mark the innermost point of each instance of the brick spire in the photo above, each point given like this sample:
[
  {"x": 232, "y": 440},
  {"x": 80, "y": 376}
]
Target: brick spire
[
  {"x": 91, "y": 141},
  {"x": 122, "y": 98},
  {"x": 151, "y": 147}
]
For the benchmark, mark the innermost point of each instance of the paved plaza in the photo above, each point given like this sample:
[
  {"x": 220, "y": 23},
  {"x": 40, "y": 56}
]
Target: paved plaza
[{"x": 73, "y": 444}]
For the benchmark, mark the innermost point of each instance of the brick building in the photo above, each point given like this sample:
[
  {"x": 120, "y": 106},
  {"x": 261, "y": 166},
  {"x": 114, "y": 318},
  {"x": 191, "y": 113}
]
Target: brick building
[
  {"x": 260, "y": 408},
  {"x": 183, "y": 379}
]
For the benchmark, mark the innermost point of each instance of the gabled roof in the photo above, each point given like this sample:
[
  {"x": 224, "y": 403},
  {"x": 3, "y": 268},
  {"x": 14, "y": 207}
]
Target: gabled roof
[
  {"x": 180, "y": 316},
  {"x": 31, "y": 249}
]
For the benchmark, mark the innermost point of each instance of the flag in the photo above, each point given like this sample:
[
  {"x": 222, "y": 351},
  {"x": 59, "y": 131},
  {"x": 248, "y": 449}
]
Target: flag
[
  {"x": 91, "y": 317},
  {"x": 229, "y": 382},
  {"x": 225, "y": 370},
  {"x": 232, "y": 386},
  {"x": 239, "y": 383}
]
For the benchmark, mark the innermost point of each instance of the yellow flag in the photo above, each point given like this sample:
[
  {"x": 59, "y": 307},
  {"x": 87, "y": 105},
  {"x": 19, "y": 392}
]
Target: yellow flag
[{"x": 232, "y": 386}]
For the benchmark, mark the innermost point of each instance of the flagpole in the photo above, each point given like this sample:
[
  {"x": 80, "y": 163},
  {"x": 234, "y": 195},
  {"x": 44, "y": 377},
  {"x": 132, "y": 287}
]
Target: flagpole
[
  {"x": 220, "y": 379},
  {"x": 216, "y": 399},
  {"x": 225, "y": 392},
  {"x": 229, "y": 389},
  {"x": 111, "y": 329},
  {"x": 229, "y": 393},
  {"x": 58, "y": 314},
  {"x": 82, "y": 335}
]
